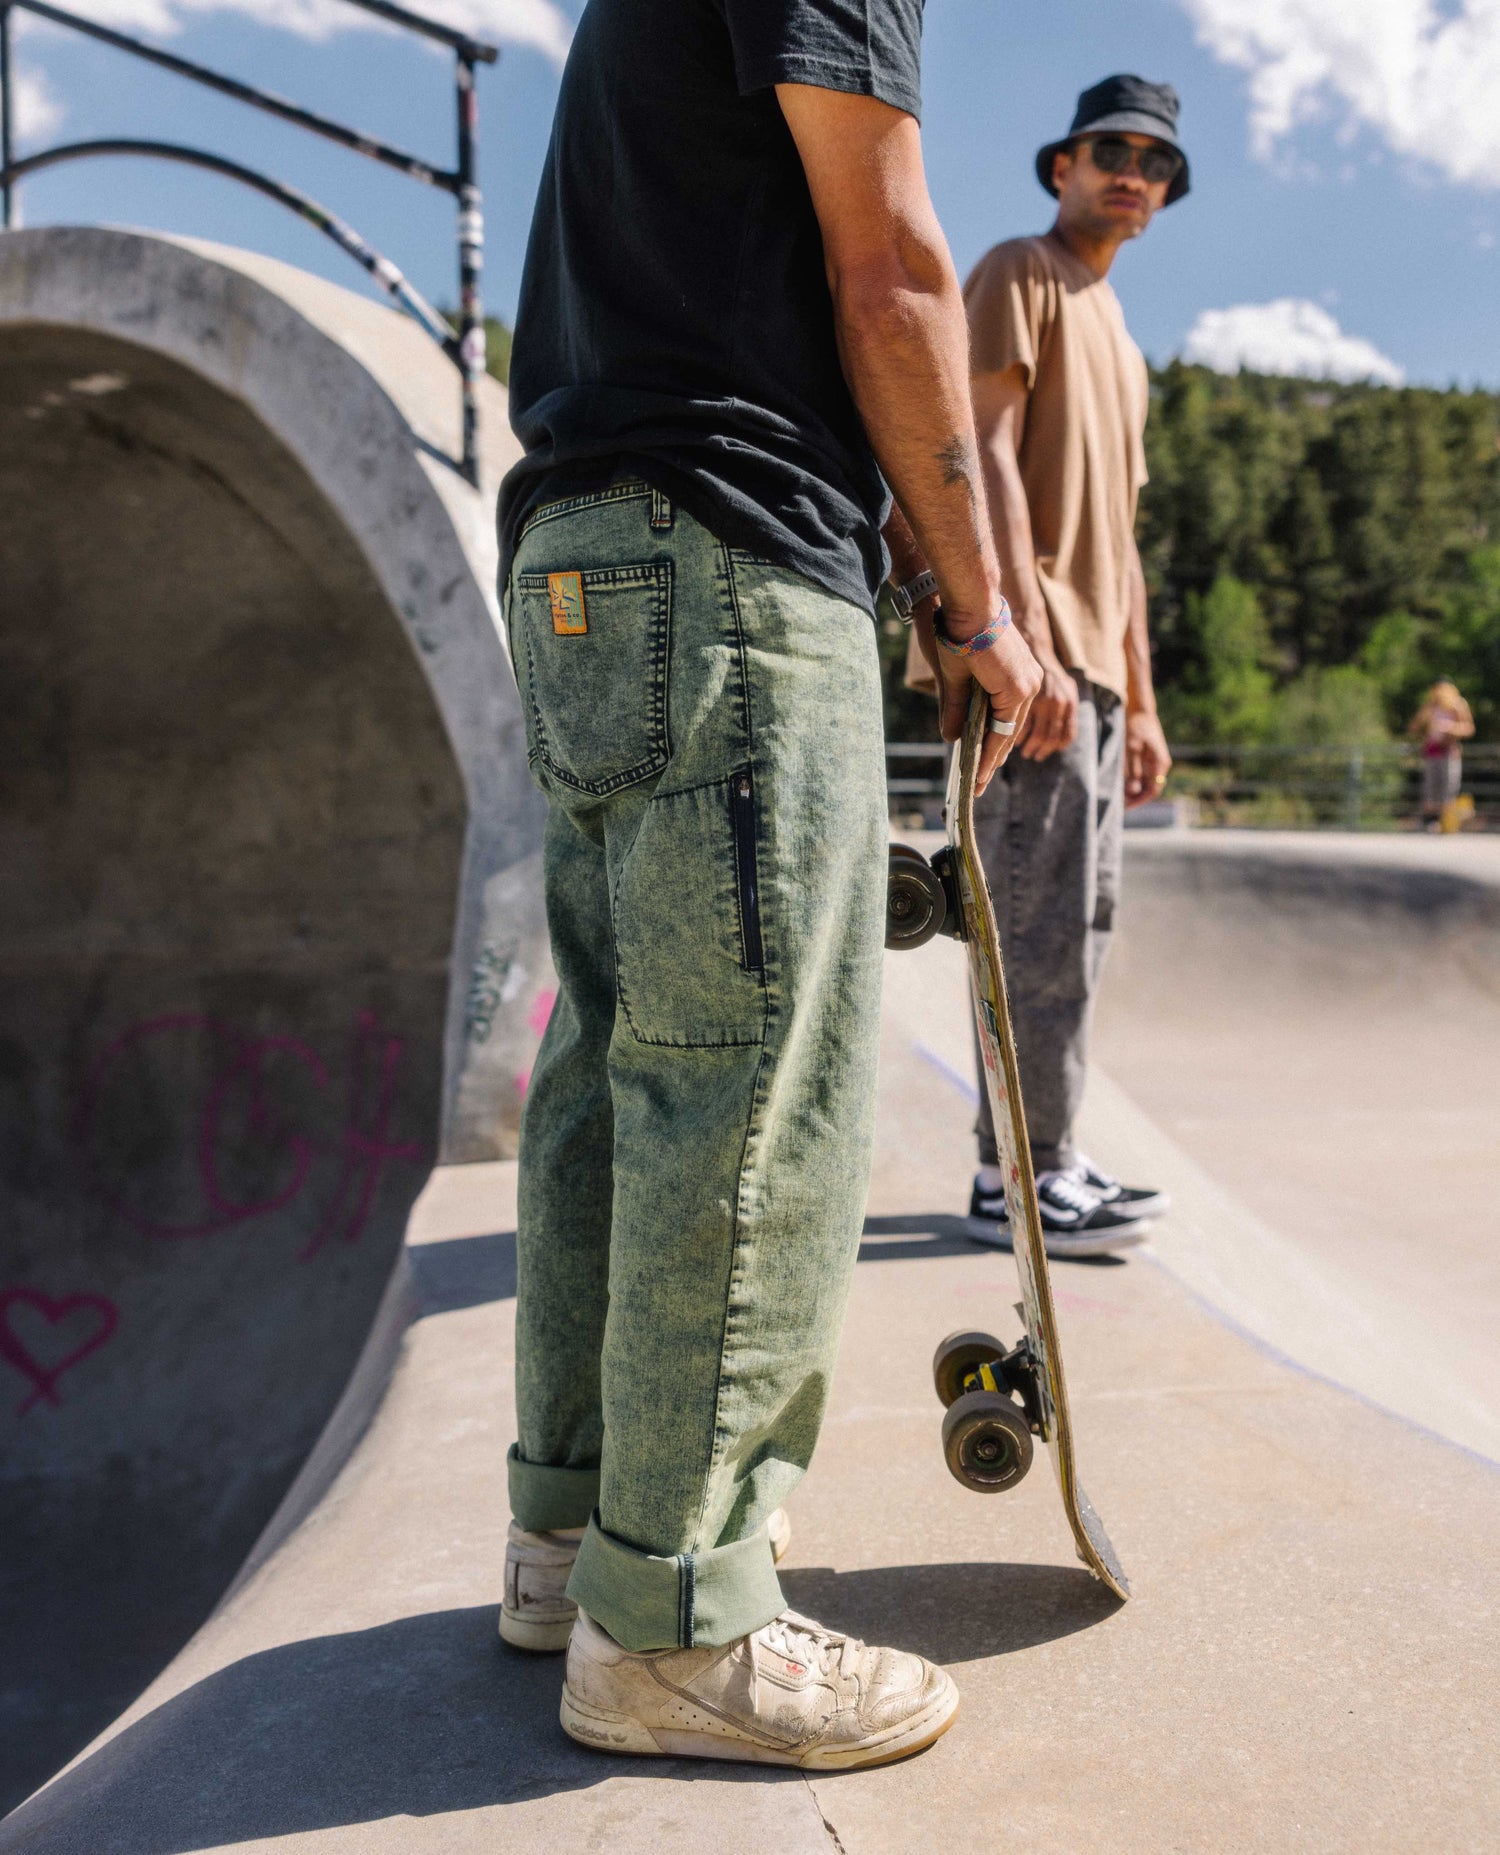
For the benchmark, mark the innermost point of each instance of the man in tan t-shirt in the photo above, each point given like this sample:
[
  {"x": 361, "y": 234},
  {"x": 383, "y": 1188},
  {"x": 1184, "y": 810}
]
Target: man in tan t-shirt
[{"x": 1060, "y": 397}]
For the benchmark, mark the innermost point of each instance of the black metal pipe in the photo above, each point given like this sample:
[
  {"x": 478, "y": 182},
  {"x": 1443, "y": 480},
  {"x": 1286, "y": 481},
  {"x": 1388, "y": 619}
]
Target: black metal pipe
[
  {"x": 266, "y": 100},
  {"x": 344, "y": 235},
  {"x": 6, "y": 102},
  {"x": 471, "y": 338}
]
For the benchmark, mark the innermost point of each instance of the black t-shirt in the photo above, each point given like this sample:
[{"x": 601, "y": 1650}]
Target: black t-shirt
[{"x": 675, "y": 318}]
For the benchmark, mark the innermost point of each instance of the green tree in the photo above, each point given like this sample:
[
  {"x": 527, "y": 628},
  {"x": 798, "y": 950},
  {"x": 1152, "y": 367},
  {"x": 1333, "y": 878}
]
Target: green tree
[
  {"x": 1335, "y": 706},
  {"x": 1466, "y": 640},
  {"x": 1230, "y": 698}
]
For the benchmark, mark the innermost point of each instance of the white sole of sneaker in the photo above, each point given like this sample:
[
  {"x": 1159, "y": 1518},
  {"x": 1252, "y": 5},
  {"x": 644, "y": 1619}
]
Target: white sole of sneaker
[
  {"x": 540, "y": 1636},
  {"x": 1061, "y": 1244},
  {"x": 626, "y": 1737}
]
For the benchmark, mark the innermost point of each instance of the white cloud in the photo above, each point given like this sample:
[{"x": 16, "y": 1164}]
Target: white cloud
[
  {"x": 540, "y": 24},
  {"x": 38, "y": 112},
  {"x": 1289, "y": 336},
  {"x": 1424, "y": 75}
]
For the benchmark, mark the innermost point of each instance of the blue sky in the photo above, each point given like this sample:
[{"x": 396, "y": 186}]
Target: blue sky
[{"x": 1345, "y": 214}]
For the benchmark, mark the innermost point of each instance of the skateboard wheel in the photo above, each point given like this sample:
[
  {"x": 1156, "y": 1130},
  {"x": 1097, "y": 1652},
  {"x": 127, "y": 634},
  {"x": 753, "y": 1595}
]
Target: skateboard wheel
[
  {"x": 986, "y": 1442},
  {"x": 958, "y": 1356},
  {"x": 915, "y": 906}
]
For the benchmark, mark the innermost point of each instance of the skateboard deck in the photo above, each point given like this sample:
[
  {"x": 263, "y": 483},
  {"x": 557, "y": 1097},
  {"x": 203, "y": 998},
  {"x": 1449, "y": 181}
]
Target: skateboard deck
[{"x": 1032, "y": 1373}]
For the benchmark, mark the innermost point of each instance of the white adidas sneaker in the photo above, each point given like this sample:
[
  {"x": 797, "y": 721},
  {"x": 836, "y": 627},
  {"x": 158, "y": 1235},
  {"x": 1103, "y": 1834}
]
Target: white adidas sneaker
[{"x": 791, "y": 1693}]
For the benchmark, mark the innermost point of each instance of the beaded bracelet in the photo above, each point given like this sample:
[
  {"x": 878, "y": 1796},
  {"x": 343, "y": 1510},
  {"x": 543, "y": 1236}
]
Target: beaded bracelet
[{"x": 981, "y": 640}]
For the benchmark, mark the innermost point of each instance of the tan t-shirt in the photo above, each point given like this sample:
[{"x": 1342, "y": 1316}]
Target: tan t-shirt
[{"x": 1083, "y": 456}]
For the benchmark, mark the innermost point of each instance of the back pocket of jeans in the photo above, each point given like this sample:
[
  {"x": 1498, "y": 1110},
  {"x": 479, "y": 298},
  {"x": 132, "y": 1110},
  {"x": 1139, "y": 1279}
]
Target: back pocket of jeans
[
  {"x": 594, "y": 648},
  {"x": 689, "y": 937}
]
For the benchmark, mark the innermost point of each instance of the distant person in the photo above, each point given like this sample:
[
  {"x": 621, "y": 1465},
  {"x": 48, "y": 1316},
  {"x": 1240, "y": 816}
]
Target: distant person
[
  {"x": 739, "y": 322},
  {"x": 1060, "y": 397},
  {"x": 1442, "y": 722}
]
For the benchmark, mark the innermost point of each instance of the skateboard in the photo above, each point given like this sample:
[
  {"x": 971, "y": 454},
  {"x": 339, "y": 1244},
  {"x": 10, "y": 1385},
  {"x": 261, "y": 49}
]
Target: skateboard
[{"x": 997, "y": 1397}]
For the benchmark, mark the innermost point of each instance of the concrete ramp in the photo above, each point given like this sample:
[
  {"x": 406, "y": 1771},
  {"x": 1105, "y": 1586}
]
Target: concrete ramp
[
  {"x": 1314, "y": 1023},
  {"x": 269, "y": 928}
]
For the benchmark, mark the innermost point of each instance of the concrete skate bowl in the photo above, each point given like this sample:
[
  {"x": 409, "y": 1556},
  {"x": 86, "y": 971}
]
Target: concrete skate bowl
[
  {"x": 267, "y": 836},
  {"x": 1316, "y": 1021}
]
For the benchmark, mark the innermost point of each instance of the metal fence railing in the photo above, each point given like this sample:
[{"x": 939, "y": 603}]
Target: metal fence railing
[
  {"x": 1287, "y": 788},
  {"x": 463, "y": 345}
]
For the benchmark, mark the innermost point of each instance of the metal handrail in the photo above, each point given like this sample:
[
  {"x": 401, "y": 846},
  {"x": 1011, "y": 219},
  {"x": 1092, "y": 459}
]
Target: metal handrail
[
  {"x": 1330, "y": 784},
  {"x": 465, "y": 346}
]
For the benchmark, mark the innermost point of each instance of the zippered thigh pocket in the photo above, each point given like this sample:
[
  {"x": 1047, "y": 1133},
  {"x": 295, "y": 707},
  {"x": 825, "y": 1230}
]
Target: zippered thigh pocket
[
  {"x": 689, "y": 938},
  {"x": 746, "y": 868}
]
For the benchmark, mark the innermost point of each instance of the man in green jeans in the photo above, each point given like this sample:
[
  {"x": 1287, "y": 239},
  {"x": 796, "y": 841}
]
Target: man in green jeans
[{"x": 738, "y": 321}]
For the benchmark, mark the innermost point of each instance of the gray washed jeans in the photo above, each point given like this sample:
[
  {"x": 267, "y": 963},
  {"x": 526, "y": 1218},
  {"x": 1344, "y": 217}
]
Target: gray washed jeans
[
  {"x": 697, "y": 1134},
  {"x": 1049, "y": 840}
]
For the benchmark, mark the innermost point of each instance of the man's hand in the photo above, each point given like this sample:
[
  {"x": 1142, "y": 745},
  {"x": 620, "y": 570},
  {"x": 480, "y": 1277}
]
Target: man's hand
[
  {"x": 1054, "y": 715},
  {"x": 1147, "y": 757},
  {"x": 1007, "y": 670}
]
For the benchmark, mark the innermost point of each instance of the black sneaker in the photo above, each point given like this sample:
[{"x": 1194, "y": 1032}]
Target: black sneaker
[
  {"x": 1074, "y": 1222},
  {"x": 1137, "y": 1200}
]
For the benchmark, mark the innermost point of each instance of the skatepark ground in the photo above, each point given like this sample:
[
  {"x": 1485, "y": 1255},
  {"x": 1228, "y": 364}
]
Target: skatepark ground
[{"x": 1288, "y": 1409}]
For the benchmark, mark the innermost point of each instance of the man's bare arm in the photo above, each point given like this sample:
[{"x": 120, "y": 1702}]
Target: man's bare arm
[
  {"x": 1148, "y": 760},
  {"x": 903, "y": 342},
  {"x": 1000, "y": 402}
]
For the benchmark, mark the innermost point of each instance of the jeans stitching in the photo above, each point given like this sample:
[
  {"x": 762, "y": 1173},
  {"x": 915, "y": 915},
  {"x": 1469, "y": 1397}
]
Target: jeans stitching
[
  {"x": 725, "y": 1042},
  {"x": 752, "y": 1120},
  {"x": 687, "y": 1596},
  {"x": 657, "y": 578},
  {"x": 592, "y": 499}
]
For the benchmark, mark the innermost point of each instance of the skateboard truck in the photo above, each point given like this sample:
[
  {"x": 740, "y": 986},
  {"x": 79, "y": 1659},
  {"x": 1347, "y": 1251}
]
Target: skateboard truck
[
  {"x": 921, "y": 898},
  {"x": 994, "y": 1408}
]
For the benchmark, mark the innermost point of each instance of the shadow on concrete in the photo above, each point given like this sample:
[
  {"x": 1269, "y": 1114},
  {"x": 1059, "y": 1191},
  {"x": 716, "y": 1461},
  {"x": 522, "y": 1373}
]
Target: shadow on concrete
[
  {"x": 953, "y": 1613},
  {"x": 423, "y": 1717},
  {"x": 463, "y": 1272},
  {"x": 940, "y": 1233}
]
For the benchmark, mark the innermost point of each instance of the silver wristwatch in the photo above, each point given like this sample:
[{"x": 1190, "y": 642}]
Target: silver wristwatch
[{"x": 903, "y": 600}]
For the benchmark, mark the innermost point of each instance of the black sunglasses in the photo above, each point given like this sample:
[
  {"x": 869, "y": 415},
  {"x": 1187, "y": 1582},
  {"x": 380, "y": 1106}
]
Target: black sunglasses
[{"x": 1112, "y": 154}]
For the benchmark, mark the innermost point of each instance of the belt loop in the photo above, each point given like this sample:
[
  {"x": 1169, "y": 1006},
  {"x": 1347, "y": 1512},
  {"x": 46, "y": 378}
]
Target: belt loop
[{"x": 661, "y": 511}]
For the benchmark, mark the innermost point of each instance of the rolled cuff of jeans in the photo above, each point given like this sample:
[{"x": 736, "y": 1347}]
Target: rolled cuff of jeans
[
  {"x": 543, "y": 1499},
  {"x": 691, "y": 1600}
]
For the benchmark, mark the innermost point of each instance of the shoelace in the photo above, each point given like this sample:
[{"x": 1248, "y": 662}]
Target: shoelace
[
  {"x": 1075, "y": 1195},
  {"x": 799, "y": 1639},
  {"x": 1088, "y": 1174}
]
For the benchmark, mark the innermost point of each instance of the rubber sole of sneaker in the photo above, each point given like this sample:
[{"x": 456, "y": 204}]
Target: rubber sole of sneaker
[
  {"x": 1157, "y": 1205},
  {"x": 618, "y": 1733},
  {"x": 536, "y": 1635},
  {"x": 550, "y": 1636},
  {"x": 1062, "y": 1245}
]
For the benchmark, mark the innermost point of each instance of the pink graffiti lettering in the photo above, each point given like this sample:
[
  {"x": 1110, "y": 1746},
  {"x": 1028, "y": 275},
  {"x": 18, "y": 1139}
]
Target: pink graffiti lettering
[
  {"x": 242, "y": 1086},
  {"x": 54, "y": 1311},
  {"x": 541, "y": 1009},
  {"x": 364, "y": 1151}
]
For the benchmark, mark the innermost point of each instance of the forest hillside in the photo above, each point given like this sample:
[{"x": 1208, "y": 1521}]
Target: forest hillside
[{"x": 1316, "y": 553}]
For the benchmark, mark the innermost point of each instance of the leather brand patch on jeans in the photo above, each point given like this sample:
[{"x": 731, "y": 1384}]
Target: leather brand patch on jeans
[{"x": 569, "y": 619}]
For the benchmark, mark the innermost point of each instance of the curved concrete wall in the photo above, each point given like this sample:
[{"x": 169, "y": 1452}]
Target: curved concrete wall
[{"x": 270, "y": 935}]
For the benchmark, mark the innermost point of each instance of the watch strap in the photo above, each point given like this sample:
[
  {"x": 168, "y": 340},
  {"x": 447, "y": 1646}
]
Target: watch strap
[{"x": 907, "y": 597}]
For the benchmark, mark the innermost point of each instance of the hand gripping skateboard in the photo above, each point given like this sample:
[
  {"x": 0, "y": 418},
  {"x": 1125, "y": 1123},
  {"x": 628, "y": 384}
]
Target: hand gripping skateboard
[{"x": 997, "y": 1398}]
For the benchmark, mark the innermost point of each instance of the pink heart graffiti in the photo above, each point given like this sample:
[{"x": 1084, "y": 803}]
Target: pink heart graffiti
[{"x": 54, "y": 1310}]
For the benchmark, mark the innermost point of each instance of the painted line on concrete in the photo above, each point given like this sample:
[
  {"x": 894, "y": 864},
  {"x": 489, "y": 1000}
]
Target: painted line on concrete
[{"x": 1267, "y": 1348}]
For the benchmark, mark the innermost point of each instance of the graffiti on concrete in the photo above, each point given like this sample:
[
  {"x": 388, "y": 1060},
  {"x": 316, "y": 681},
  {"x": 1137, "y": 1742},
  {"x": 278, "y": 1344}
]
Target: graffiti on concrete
[
  {"x": 267, "y": 1095},
  {"x": 537, "y": 1019},
  {"x": 497, "y": 978},
  {"x": 251, "y": 1092},
  {"x": 52, "y": 1323}
]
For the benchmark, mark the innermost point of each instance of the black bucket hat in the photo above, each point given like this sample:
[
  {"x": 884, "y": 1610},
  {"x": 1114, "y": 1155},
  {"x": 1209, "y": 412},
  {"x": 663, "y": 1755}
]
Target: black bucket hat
[{"x": 1122, "y": 104}]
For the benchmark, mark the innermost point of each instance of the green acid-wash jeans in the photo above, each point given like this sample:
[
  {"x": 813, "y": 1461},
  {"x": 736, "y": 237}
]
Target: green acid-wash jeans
[{"x": 696, "y": 1141}]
